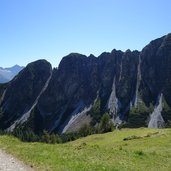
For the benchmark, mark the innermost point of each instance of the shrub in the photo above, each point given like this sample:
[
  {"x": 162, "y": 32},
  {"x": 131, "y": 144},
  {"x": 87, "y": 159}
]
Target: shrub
[{"x": 106, "y": 124}]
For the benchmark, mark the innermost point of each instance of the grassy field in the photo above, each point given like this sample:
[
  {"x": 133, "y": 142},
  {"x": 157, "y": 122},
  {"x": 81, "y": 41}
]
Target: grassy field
[{"x": 125, "y": 150}]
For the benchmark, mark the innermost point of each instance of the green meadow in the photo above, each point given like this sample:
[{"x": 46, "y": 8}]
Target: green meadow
[{"x": 120, "y": 150}]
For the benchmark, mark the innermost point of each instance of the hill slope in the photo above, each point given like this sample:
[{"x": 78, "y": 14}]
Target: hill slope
[{"x": 126, "y": 150}]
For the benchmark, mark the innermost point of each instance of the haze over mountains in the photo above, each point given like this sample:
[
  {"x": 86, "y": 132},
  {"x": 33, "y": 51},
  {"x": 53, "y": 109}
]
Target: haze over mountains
[
  {"x": 133, "y": 87},
  {"x": 7, "y": 74}
]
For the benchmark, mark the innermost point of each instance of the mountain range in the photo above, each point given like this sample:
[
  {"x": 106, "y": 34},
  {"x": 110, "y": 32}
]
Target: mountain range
[
  {"x": 7, "y": 74},
  {"x": 134, "y": 87}
]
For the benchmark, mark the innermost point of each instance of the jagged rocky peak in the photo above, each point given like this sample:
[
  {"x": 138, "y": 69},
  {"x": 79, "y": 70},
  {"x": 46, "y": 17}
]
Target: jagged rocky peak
[
  {"x": 23, "y": 90},
  {"x": 71, "y": 57},
  {"x": 91, "y": 56},
  {"x": 75, "y": 84},
  {"x": 126, "y": 82},
  {"x": 72, "y": 61},
  {"x": 75, "y": 71},
  {"x": 61, "y": 100},
  {"x": 155, "y": 69},
  {"x": 167, "y": 41}
]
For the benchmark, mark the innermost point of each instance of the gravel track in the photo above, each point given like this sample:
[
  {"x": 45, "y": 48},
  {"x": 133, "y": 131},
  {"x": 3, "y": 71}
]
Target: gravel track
[{"x": 10, "y": 163}]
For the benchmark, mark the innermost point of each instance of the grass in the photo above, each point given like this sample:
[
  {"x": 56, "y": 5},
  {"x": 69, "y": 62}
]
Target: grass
[{"x": 144, "y": 149}]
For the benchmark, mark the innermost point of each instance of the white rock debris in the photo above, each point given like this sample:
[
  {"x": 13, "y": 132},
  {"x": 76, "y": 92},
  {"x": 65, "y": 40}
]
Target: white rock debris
[
  {"x": 113, "y": 104},
  {"x": 138, "y": 82},
  {"x": 156, "y": 119},
  {"x": 75, "y": 116}
]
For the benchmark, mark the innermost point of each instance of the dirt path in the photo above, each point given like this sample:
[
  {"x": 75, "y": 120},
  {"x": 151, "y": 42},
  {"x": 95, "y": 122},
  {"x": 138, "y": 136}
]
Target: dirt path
[{"x": 9, "y": 163}]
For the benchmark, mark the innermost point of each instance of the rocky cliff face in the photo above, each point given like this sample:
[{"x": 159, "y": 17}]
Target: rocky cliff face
[
  {"x": 129, "y": 86},
  {"x": 21, "y": 93}
]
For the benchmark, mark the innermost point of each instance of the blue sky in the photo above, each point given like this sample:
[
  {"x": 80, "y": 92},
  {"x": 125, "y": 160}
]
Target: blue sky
[{"x": 51, "y": 29}]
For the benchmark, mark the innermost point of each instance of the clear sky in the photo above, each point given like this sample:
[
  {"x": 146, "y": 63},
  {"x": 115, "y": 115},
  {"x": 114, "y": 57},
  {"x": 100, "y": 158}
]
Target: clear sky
[{"x": 51, "y": 29}]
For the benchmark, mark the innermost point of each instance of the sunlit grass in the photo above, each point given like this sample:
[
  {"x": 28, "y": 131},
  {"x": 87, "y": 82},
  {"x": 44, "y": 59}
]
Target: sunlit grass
[{"x": 143, "y": 149}]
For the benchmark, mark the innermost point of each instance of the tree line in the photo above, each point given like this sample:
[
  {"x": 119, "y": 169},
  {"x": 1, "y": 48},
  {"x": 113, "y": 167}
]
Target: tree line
[{"x": 27, "y": 135}]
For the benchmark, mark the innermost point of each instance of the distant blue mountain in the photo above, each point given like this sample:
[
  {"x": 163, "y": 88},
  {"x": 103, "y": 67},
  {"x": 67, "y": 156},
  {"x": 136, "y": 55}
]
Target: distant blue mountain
[{"x": 7, "y": 74}]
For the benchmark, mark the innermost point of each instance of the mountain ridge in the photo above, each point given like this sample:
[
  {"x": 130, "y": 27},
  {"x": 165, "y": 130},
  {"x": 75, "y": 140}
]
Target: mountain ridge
[
  {"x": 7, "y": 74},
  {"x": 128, "y": 85}
]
